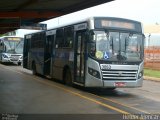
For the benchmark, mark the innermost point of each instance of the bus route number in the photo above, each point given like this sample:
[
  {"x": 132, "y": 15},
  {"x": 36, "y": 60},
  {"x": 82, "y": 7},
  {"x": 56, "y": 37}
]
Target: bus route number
[{"x": 106, "y": 67}]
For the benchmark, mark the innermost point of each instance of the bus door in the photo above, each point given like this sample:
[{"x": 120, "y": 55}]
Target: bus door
[
  {"x": 48, "y": 55},
  {"x": 79, "y": 68},
  {"x": 25, "y": 52}
]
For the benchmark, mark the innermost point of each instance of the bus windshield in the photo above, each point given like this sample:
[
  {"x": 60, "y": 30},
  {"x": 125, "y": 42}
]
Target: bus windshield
[
  {"x": 13, "y": 46},
  {"x": 19, "y": 47},
  {"x": 116, "y": 46}
]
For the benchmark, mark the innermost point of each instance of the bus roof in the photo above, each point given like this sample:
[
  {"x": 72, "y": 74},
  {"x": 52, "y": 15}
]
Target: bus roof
[
  {"x": 91, "y": 18},
  {"x": 84, "y": 20},
  {"x": 10, "y": 37}
]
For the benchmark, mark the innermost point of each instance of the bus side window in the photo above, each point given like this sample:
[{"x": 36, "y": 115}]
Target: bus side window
[
  {"x": 59, "y": 38},
  {"x": 68, "y": 37},
  {"x": 1, "y": 46}
]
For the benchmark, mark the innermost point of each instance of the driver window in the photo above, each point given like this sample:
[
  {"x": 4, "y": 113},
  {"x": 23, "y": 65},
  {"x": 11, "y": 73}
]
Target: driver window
[
  {"x": 132, "y": 44},
  {"x": 1, "y": 46},
  {"x": 103, "y": 43}
]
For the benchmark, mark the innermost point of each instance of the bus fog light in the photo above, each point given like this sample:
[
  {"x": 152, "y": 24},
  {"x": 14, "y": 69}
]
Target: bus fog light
[{"x": 140, "y": 74}]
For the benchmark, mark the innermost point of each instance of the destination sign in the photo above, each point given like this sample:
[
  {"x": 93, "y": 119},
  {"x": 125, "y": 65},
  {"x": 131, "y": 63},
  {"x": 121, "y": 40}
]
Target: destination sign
[
  {"x": 120, "y": 24},
  {"x": 80, "y": 26},
  {"x": 117, "y": 24},
  {"x": 14, "y": 38},
  {"x": 37, "y": 26}
]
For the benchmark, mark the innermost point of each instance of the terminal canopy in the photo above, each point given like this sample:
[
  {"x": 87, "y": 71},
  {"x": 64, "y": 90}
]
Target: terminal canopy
[{"x": 17, "y": 13}]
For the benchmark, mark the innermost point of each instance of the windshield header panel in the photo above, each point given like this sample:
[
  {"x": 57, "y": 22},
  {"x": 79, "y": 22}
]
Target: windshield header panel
[{"x": 118, "y": 23}]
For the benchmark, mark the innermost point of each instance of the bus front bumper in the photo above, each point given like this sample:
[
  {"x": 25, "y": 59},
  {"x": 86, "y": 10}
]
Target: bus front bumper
[
  {"x": 123, "y": 84},
  {"x": 8, "y": 60},
  {"x": 95, "y": 82}
]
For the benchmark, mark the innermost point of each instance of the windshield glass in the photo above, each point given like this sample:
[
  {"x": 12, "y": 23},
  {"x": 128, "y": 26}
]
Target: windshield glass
[
  {"x": 19, "y": 47},
  {"x": 13, "y": 46},
  {"x": 116, "y": 46}
]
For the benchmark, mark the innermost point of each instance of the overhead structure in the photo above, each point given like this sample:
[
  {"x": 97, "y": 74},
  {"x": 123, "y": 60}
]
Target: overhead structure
[{"x": 15, "y": 13}]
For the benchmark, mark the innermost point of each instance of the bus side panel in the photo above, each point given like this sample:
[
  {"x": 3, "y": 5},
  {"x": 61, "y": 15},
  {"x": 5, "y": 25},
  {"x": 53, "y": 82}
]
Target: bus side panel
[
  {"x": 59, "y": 63},
  {"x": 37, "y": 57},
  {"x": 63, "y": 59}
]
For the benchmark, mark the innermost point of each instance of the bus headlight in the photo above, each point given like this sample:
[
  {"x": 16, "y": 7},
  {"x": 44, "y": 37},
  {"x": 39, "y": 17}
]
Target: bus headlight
[
  {"x": 140, "y": 74},
  {"x": 93, "y": 72},
  {"x": 21, "y": 58},
  {"x": 5, "y": 56}
]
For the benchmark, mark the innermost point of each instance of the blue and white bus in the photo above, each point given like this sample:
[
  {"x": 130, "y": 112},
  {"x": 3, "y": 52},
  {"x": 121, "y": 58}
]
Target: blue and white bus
[
  {"x": 98, "y": 52},
  {"x": 11, "y": 49}
]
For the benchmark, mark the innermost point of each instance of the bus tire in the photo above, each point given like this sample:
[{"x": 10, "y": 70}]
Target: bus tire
[
  {"x": 34, "y": 71},
  {"x": 19, "y": 63},
  {"x": 67, "y": 77},
  {"x": 111, "y": 88}
]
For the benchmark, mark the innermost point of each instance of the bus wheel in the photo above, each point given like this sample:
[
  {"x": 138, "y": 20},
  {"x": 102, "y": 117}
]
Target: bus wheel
[
  {"x": 112, "y": 88},
  {"x": 68, "y": 78},
  {"x": 19, "y": 63},
  {"x": 34, "y": 69}
]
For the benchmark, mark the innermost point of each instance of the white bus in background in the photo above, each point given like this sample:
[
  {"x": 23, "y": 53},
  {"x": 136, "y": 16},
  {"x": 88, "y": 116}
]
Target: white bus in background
[
  {"x": 11, "y": 49},
  {"x": 98, "y": 52}
]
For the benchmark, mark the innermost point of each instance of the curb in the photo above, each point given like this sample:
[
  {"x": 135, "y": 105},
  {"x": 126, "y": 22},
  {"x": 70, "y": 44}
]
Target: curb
[{"x": 151, "y": 78}]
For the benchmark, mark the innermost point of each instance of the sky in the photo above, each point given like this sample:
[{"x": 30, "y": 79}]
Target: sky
[{"x": 145, "y": 11}]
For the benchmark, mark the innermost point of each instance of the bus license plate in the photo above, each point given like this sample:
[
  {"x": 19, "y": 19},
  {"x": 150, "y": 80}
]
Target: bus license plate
[{"x": 120, "y": 84}]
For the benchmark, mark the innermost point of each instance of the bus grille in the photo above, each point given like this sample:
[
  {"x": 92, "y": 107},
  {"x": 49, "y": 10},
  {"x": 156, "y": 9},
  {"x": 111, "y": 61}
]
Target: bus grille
[
  {"x": 14, "y": 57},
  {"x": 119, "y": 75}
]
